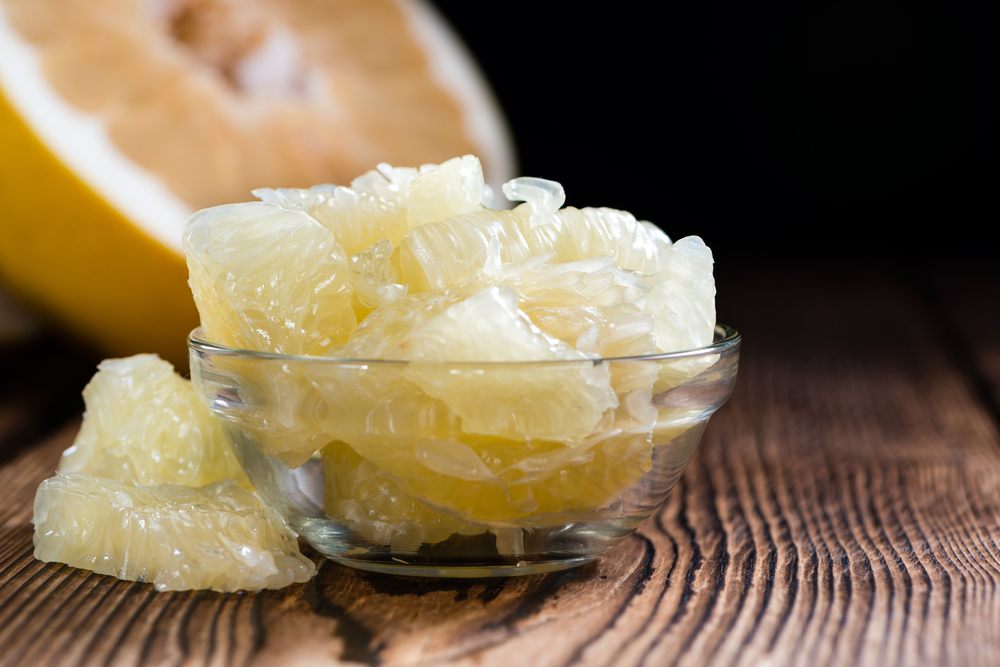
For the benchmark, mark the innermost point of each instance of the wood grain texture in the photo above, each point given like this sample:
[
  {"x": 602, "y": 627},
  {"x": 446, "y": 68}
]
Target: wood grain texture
[{"x": 844, "y": 510}]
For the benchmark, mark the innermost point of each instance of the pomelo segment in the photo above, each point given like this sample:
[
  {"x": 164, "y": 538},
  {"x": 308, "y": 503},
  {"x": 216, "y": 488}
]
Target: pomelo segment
[
  {"x": 635, "y": 245},
  {"x": 150, "y": 491},
  {"x": 470, "y": 249},
  {"x": 145, "y": 425},
  {"x": 375, "y": 279},
  {"x": 682, "y": 296},
  {"x": 560, "y": 401},
  {"x": 505, "y": 483},
  {"x": 367, "y": 499},
  {"x": 387, "y": 202},
  {"x": 217, "y": 537},
  {"x": 270, "y": 279},
  {"x": 551, "y": 401}
]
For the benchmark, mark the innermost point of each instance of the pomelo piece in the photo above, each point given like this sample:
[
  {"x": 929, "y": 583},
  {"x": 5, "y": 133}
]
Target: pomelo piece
[
  {"x": 115, "y": 130},
  {"x": 269, "y": 279},
  {"x": 468, "y": 251},
  {"x": 367, "y": 499},
  {"x": 387, "y": 202},
  {"x": 682, "y": 297},
  {"x": 501, "y": 483},
  {"x": 145, "y": 425},
  {"x": 217, "y": 537},
  {"x": 471, "y": 248},
  {"x": 375, "y": 279},
  {"x": 292, "y": 415},
  {"x": 554, "y": 401},
  {"x": 636, "y": 245}
]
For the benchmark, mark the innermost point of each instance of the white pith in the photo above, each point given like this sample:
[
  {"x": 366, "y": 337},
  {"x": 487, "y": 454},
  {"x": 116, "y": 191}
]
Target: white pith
[{"x": 81, "y": 142}]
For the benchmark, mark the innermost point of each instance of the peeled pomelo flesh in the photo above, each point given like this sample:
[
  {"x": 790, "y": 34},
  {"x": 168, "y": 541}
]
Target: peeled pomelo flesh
[
  {"x": 463, "y": 427},
  {"x": 465, "y": 249},
  {"x": 375, "y": 279},
  {"x": 387, "y": 202},
  {"x": 681, "y": 297},
  {"x": 636, "y": 245},
  {"x": 488, "y": 395},
  {"x": 367, "y": 499},
  {"x": 151, "y": 491},
  {"x": 504, "y": 483},
  {"x": 270, "y": 279},
  {"x": 145, "y": 425},
  {"x": 217, "y": 537},
  {"x": 551, "y": 401}
]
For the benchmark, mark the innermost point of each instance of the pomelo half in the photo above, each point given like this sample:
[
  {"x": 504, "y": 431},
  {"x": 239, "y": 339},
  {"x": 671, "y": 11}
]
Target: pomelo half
[{"x": 116, "y": 122}]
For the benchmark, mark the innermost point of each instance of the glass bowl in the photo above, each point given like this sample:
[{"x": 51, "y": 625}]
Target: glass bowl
[{"x": 464, "y": 469}]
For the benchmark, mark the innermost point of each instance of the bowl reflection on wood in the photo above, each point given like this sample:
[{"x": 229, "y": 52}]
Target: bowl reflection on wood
[{"x": 464, "y": 469}]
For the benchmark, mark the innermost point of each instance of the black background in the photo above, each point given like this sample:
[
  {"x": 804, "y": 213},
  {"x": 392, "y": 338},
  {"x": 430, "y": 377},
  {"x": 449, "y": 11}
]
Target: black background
[{"x": 836, "y": 130}]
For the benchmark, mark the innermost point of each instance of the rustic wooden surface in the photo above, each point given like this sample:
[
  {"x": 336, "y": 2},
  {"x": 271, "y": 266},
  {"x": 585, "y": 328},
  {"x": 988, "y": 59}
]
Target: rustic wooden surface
[{"x": 844, "y": 509}]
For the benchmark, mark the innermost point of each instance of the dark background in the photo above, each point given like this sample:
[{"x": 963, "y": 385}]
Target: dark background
[{"x": 857, "y": 130}]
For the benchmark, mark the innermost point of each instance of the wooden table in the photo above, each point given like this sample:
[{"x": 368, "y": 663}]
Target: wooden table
[{"x": 844, "y": 509}]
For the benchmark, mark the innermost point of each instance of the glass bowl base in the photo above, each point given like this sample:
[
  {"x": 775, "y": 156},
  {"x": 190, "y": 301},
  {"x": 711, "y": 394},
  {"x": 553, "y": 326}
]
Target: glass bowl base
[{"x": 485, "y": 571}]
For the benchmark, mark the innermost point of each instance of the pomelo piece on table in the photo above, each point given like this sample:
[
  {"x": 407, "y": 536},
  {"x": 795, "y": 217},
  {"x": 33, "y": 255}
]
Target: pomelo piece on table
[
  {"x": 150, "y": 491},
  {"x": 115, "y": 130},
  {"x": 144, "y": 424},
  {"x": 176, "y": 537}
]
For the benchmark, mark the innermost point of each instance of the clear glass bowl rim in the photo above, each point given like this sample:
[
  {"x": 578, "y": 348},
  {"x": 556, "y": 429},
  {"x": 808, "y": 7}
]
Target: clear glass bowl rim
[{"x": 727, "y": 337}]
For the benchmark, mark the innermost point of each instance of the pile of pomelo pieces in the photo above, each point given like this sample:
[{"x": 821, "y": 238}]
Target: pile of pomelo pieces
[{"x": 409, "y": 265}]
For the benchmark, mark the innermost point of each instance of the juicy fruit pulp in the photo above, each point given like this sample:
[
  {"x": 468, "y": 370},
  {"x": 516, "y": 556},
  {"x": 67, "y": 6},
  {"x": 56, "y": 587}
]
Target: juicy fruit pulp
[
  {"x": 145, "y": 425},
  {"x": 495, "y": 410},
  {"x": 151, "y": 491},
  {"x": 265, "y": 278},
  {"x": 176, "y": 537}
]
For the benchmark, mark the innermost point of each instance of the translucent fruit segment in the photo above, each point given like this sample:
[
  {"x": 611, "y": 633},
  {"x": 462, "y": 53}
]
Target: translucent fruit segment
[
  {"x": 682, "y": 297},
  {"x": 513, "y": 401},
  {"x": 217, "y": 537},
  {"x": 359, "y": 493},
  {"x": 387, "y": 202},
  {"x": 498, "y": 482},
  {"x": 266, "y": 278},
  {"x": 295, "y": 414},
  {"x": 145, "y": 424},
  {"x": 375, "y": 278},
  {"x": 471, "y": 248},
  {"x": 635, "y": 245}
]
